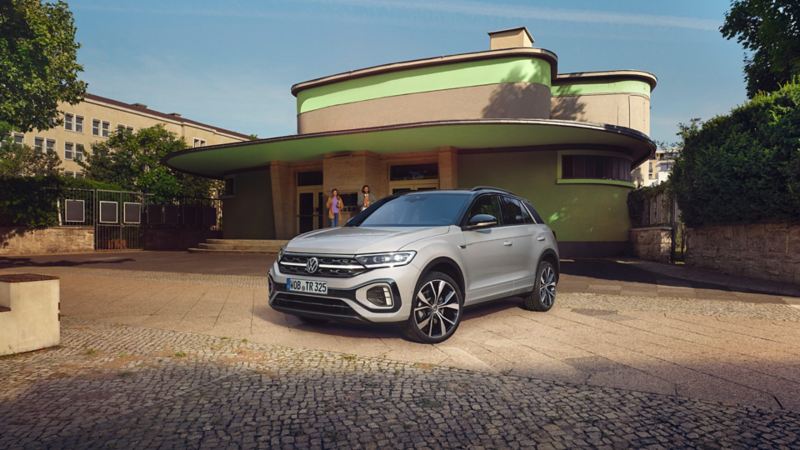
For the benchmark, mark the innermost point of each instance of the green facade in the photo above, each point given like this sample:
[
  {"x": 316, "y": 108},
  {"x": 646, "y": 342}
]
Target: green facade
[
  {"x": 248, "y": 213},
  {"x": 576, "y": 212}
]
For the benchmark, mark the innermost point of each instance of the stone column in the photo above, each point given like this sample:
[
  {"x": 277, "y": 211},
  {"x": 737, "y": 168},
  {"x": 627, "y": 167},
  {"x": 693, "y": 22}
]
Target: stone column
[{"x": 29, "y": 308}]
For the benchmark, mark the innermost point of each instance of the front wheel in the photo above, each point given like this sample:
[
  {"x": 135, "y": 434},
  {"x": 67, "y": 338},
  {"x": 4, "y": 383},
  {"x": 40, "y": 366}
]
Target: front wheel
[
  {"x": 543, "y": 296},
  {"x": 435, "y": 309}
]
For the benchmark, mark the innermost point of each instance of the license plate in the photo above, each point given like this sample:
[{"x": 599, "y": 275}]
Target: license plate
[{"x": 308, "y": 286}]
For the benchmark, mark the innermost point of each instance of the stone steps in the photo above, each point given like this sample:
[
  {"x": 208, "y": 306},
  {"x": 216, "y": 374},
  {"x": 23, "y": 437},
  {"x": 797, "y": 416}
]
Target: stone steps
[{"x": 239, "y": 246}]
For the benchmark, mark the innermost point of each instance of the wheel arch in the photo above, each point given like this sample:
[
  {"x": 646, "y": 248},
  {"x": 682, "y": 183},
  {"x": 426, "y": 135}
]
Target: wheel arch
[
  {"x": 550, "y": 256},
  {"x": 448, "y": 266}
]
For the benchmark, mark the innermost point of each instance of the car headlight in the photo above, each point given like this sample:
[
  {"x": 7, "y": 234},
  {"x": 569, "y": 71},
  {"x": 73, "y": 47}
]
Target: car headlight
[
  {"x": 392, "y": 259},
  {"x": 280, "y": 252}
]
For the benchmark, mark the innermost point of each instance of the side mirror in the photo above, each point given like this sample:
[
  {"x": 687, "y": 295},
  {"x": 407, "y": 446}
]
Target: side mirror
[{"x": 479, "y": 221}]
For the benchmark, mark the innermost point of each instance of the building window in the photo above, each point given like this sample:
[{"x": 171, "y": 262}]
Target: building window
[
  {"x": 106, "y": 128},
  {"x": 51, "y": 145},
  {"x": 595, "y": 167},
  {"x": 414, "y": 172},
  {"x": 19, "y": 138},
  {"x": 79, "y": 152},
  {"x": 79, "y": 124},
  {"x": 95, "y": 127},
  {"x": 122, "y": 128},
  {"x": 69, "y": 122},
  {"x": 198, "y": 142},
  {"x": 38, "y": 144},
  {"x": 69, "y": 150},
  {"x": 309, "y": 178}
]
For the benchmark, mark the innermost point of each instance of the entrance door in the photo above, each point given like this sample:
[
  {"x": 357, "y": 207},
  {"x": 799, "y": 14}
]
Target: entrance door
[{"x": 310, "y": 209}]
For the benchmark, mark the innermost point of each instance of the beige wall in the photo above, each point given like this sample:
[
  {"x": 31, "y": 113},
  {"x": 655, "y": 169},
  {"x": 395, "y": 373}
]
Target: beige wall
[
  {"x": 493, "y": 101},
  {"x": 627, "y": 110},
  {"x": 91, "y": 109}
]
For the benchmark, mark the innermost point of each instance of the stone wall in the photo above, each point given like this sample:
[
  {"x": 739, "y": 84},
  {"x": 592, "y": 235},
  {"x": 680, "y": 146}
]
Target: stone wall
[
  {"x": 767, "y": 251},
  {"x": 21, "y": 241},
  {"x": 652, "y": 243}
]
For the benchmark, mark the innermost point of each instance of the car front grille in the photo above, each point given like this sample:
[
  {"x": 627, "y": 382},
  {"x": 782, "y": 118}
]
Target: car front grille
[
  {"x": 312, "y": 304},
  {"x": 329, "y": 266}
]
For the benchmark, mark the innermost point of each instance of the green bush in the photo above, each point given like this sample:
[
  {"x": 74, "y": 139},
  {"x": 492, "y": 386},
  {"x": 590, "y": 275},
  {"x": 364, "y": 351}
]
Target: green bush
[
  {"x": 743, "y": 166},
  {"x": 30, "y": 202}
]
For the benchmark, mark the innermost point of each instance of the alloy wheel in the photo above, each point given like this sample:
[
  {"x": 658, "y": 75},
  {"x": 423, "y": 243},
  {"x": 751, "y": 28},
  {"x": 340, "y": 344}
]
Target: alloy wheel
[
  {"x": 547, "y": 286},
  {"x": 437, "y": 311}
]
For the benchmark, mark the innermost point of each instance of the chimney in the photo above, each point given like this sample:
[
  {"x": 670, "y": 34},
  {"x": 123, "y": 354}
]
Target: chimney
[
  {"x": 174, "y": 114},
  {"x": 140, "y": 105},
  {"x": 510, "y": 38}
]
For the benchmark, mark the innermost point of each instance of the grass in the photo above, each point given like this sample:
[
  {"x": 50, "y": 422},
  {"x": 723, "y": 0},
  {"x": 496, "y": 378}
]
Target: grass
[
  {"x": 180, "y": 355},
  {"x": 90, "y": 352}
]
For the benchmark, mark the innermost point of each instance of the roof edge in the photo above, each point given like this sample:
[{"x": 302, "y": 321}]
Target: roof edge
[
  {"x": 642, "y": 75},
  {"x": 609, "y": 128},
  {"x": 551, "y": 57},
  {"x": 145, "y": 110}
]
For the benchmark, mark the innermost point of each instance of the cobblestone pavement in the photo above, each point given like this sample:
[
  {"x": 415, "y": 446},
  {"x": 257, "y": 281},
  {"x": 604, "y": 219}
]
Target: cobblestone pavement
[{"x": 114, "y": 386}]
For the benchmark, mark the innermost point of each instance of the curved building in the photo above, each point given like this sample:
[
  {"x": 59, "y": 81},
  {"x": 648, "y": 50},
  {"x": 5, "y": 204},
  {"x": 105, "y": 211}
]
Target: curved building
[{"x": 503, "y": 117}]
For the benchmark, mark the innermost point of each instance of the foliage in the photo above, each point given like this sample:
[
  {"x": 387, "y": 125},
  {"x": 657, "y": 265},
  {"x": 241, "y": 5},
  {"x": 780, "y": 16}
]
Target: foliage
[
  {"x": 132, "y": 161},
  {"x": 638, "y": 198},
  {"x": 30, "y": 202},
  {"x": 744, "y": 166},
  {"x": 38, "y": 66},
  {"x": 770, "y": 29},
  {"x": 19, "y": 160}
]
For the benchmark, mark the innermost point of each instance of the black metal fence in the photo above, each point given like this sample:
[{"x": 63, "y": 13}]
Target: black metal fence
[{"x": 120, "y": 218}]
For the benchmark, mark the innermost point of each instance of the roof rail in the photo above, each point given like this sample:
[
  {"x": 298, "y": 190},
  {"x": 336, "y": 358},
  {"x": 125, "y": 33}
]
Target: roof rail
[{"x": 491, "y": 188}]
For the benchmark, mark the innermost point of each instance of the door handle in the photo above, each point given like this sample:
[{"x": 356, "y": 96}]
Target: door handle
[
  {"x": 540, "y": 238},
  {"x": 507, "y": 243}
]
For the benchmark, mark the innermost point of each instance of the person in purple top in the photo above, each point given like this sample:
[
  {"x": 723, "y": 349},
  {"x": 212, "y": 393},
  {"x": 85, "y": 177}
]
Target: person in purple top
[{"x": 335, "y": 205}]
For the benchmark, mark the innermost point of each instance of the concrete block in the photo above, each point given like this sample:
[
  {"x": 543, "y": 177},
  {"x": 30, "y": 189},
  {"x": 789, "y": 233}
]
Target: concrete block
[{"x": 29, "y": 312}]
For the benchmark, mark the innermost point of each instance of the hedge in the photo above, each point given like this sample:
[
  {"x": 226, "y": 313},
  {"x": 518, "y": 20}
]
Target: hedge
[
  {"x": 743, "y": 166},
  {"x": 30, "y": 202}
]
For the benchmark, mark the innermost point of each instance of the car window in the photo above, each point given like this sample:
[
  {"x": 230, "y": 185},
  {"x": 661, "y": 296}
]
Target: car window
[
  {"x": 513, "y": 214},
  {"x": 536, "y": 215},
  {"x": 414, "y": 210},
  {"x": 486, "y": 204}
]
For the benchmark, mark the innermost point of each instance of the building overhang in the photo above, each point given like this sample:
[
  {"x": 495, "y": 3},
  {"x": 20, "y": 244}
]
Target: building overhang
[{"x": 531, "y": 134}]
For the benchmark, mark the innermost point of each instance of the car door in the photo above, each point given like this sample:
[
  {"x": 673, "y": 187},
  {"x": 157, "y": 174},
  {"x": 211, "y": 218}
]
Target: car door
[
  {"x": 486, "y": 254},
  {"x": 540, "y": 239},
  {"x": 519, "y": 234}
]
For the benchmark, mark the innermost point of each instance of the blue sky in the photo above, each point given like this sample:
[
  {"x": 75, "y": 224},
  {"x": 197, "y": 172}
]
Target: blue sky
[{"x": 232, "y": 63}]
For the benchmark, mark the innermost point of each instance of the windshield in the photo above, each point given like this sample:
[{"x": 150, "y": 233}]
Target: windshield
[{"x": 415, "y": 210}]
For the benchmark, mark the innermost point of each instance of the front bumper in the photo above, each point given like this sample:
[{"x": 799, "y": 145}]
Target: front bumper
[{"x": 342, "y": 302}]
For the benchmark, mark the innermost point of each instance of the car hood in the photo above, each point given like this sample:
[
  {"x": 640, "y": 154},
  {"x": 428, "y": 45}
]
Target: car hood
[{"x": 357, "y": 240}]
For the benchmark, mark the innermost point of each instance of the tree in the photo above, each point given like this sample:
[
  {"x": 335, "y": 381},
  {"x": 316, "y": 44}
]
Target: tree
[
  {"x": 770, "y": 29},
  {"x": 133, "y": 161},
  {"x": 19, "y": 160},
  {"x": 38, "y": 66}
]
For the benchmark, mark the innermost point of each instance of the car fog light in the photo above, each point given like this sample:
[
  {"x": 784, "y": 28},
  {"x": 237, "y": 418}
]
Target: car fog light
[{"x": 380, "y": 296}]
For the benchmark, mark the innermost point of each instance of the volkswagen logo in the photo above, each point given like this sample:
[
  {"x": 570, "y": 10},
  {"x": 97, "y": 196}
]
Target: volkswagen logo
[{"x": 312, "y": 264}]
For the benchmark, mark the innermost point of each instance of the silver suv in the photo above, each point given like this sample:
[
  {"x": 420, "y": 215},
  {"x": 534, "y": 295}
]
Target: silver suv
[{"x": 417, "y": 260}]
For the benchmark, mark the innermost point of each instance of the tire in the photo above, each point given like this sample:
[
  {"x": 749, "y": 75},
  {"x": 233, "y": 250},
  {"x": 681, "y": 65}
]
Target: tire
[
  {"x": 436, "y": 309},
  {"x": 543, "y": 296},
  {"x": 312, "y": 320}
]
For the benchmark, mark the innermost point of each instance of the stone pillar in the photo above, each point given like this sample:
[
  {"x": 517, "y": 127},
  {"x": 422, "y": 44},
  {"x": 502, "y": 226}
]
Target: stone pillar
[
  {"x": 29, "y": 308},
  {"x": 283, "y": 199},
  {"x": 448, "y": 168}
]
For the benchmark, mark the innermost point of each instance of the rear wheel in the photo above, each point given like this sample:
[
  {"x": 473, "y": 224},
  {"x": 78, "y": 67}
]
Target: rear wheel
[
  {"x": 543, "y": 296},
  {"x": 435, "y": 309}
]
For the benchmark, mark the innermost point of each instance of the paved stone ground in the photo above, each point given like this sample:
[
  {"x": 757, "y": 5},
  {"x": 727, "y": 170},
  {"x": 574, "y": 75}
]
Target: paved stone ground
[
  {"x": 111, "y": 386},
  {"x": 167, "y": 349}
]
